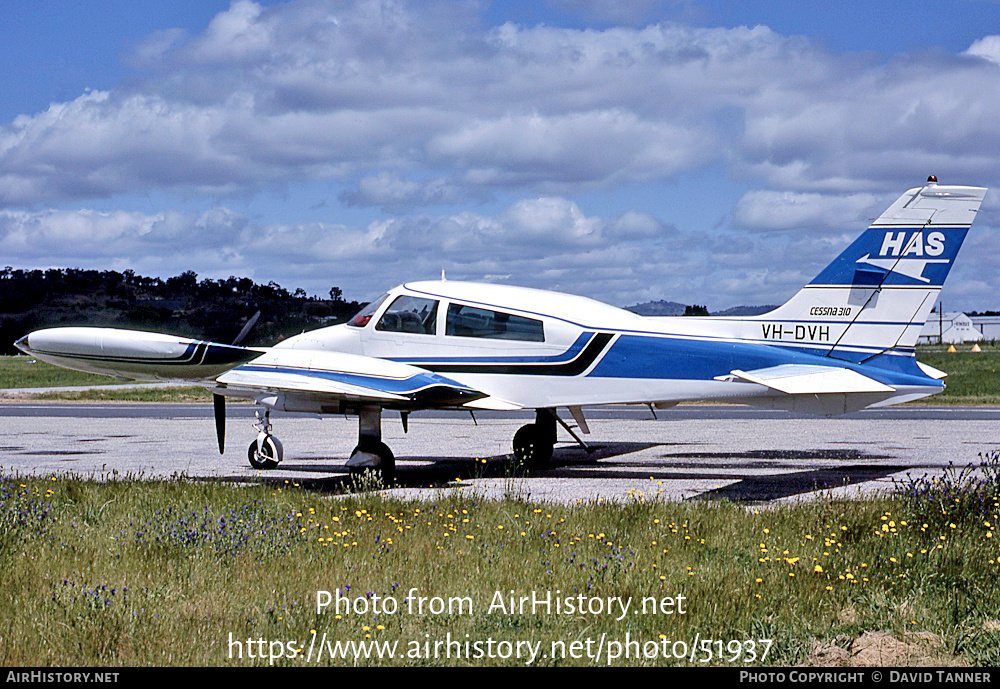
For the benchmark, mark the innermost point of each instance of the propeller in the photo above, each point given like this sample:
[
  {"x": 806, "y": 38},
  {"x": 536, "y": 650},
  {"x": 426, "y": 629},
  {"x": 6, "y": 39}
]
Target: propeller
[
  {"x": 246, "y": 328},
  {"x": 219, "y": 401}
]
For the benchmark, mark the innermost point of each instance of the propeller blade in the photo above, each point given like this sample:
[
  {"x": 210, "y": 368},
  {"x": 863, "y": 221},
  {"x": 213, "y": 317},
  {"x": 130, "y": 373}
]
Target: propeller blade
[
  {"x": 219, "y": 402},
  {"x": 246, "y": 328}
]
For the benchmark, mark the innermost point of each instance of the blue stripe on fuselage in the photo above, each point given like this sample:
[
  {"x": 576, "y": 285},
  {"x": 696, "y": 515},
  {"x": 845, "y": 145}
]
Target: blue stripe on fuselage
[{"x": 634, "y": 356}]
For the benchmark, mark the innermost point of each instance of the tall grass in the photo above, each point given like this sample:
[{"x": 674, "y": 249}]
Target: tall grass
[{"x": 131, "y": 572}]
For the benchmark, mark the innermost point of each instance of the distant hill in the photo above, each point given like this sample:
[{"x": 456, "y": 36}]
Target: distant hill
[
  {"x": 672, "y": 308},
  {"x": 182, "y": 305},
  {"x": 746, "y": 310},
  {"x": 657, "y": 308}
]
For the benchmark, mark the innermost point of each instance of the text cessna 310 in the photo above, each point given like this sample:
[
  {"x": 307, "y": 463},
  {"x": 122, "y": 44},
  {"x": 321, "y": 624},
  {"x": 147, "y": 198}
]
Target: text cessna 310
[{"x": 842, "y": 343}]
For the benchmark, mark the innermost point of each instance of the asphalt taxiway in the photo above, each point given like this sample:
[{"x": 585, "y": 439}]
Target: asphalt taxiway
[{"x": 688, "y": 452}]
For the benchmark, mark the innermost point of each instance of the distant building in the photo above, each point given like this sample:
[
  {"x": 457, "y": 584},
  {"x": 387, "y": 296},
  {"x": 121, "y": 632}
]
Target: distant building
[
  {"x": 955, "y": 327},
  {"x": 989, "y": 326}
]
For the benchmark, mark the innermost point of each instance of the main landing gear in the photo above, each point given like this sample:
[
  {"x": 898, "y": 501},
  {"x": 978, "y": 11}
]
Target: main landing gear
[
  {"x": 533, "y": 443},
  {"x": 370, "y": 456}
]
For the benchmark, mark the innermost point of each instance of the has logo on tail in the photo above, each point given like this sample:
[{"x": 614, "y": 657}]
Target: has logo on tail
[{"x": 894, "y": 258}]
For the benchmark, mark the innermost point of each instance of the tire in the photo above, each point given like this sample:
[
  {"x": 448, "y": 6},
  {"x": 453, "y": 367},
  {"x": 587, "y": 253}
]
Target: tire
[
  {"x": 386, "y": 468},
  {"x": 532, "y": 446},
  {"x": 269, "y": 456}
]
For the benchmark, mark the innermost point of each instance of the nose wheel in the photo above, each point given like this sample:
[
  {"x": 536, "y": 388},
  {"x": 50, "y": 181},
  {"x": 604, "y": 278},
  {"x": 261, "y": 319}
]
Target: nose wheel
[{"x": 266, "y": 451}]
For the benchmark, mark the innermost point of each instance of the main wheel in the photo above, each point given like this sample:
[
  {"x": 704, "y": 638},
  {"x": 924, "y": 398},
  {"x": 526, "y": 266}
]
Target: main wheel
[
  {"x": 386, "y": 467},
  {"x": 269, "y": 455},
  {"x": 532, "y": 446}
]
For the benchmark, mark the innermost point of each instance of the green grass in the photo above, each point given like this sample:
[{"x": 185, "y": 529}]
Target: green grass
[
  {"x": 27, "y": 372},
  {"x": 177, "y": 394},
  {"x": 972, "y": 376},
  {"x": 198, "y": 573}
]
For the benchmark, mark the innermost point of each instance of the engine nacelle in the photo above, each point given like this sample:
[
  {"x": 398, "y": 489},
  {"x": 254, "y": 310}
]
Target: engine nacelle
[{"x": 133, "y": 354}]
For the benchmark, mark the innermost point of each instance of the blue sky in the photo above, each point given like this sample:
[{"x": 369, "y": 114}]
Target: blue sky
[{"x": 699, "y": 151}]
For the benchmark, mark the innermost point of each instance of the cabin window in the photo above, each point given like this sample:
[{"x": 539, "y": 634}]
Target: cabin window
[
  {"x": 363, "y": 316},
  {"x": 410, "y": 315},
  {"x": 469, "y": 321}
]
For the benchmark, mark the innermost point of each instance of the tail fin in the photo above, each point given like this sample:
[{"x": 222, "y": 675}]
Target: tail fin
[{"x": 877, "y": 295}]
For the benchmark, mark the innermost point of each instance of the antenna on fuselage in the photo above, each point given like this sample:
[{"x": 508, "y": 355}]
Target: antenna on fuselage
[{"x": 442, "y": 275}]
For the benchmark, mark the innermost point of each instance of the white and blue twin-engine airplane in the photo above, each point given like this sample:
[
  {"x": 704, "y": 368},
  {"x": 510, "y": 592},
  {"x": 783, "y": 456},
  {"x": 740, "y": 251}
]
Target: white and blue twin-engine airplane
[{"x": 844, "y": 342}]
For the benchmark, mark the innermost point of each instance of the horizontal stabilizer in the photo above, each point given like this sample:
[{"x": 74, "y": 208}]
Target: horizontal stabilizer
[
  {"x": 931, "y": 371},
  {"x": 799, "y": 379}
]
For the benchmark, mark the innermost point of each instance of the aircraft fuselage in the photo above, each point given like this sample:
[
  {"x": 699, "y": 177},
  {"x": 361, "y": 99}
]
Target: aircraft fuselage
[{"x": 540, "y": 349}]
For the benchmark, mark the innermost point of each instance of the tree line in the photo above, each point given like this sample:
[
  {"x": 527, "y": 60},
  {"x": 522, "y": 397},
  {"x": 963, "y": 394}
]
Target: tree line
[{"x": 183, "y": 305}]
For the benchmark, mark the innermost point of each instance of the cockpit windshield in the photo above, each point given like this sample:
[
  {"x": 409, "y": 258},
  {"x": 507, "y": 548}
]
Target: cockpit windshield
[
  {"x": 410, "y": 315},
  {"x": 365, "y": 315}
]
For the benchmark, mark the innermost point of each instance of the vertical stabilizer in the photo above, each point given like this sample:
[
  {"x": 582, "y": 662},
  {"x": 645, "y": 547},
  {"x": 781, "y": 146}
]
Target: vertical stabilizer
[{"x": 876, "y": 296}]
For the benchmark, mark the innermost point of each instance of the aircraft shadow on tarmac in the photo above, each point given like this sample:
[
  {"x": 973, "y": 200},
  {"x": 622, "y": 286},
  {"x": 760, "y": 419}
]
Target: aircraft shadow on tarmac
[
  {"x": 440, "y": 472},
  {"x": 774, "y": 487},
  {"x": 573, "y": 462},
  {"x": 767, "y": 487}
]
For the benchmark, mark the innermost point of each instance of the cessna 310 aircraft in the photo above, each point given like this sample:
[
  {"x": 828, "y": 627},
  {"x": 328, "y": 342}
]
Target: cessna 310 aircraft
[{"x": 844, "y": 342}]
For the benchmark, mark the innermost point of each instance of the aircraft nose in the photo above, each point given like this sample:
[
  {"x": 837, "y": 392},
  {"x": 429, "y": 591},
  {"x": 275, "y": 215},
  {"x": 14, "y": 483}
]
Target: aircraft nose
[{"x": 22, "y": 344}]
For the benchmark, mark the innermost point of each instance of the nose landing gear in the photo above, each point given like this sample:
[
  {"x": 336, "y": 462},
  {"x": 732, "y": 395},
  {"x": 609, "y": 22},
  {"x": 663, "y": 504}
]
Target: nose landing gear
[{"x": 265, "y": 452}]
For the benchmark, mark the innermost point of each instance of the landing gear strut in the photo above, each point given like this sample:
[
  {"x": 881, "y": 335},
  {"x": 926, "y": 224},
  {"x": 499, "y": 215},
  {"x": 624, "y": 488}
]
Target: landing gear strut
[
  {"x": 533, "y": 443},
  {"x": 266, "y": 451},
  {"x": 371, "y": 455}
]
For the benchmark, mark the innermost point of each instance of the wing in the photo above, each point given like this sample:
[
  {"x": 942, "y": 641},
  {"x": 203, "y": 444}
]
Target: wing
[{"x": 331, "y": 382}]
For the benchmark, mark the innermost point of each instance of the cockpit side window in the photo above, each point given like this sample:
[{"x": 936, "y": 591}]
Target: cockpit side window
[
  {"x": 469, "y": 321},
  {"x": 410, "y": 315},
  {"x": 363, "y": 316}
]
